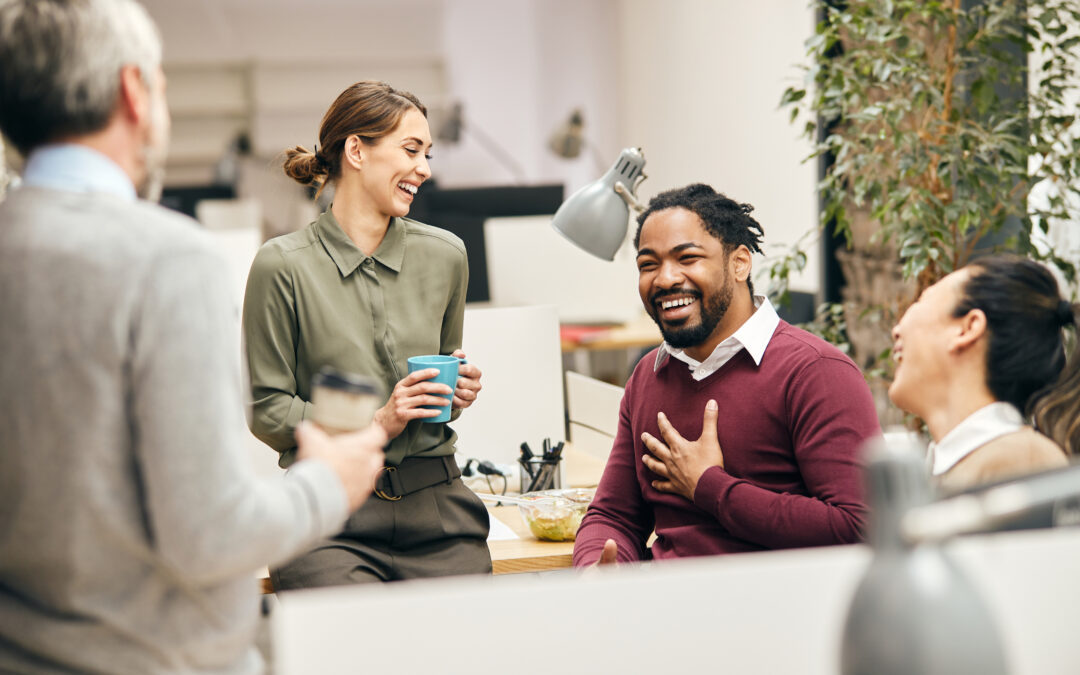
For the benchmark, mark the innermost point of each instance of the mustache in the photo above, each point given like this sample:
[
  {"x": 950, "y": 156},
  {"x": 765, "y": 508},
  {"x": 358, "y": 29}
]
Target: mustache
[{"x": 659, "y": 296}]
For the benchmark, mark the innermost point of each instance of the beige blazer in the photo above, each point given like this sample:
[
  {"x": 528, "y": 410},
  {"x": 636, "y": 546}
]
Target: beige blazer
[{"x": 1021, "y": 452}]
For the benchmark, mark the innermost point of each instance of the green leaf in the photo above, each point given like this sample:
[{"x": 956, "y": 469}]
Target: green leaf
[{"x": 792, "y": 95}]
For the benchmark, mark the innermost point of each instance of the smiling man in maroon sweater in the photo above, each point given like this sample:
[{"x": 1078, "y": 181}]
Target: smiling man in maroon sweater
[{"x": 779, "y": 415}]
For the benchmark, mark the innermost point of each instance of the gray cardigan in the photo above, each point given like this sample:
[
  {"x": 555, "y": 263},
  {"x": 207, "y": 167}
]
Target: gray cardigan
[{"x": 131, "y": 524}]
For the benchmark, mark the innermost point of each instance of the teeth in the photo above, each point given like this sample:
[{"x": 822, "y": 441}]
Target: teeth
[
  {"x": 668, "y": 304},
  {"x": 408, "y": 187}
]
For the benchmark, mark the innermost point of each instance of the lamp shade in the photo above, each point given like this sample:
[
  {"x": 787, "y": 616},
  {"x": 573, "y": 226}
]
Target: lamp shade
[{"x": 595, "y": 217}]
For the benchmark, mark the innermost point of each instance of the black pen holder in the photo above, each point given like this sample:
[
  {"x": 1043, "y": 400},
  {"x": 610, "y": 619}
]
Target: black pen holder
[{"x": 539, "y": 474}]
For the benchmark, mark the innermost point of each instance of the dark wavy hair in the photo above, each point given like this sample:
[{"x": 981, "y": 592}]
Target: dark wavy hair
[
  {"x": 725, "y": 219},
  {"x": 1026, "y": 360}
]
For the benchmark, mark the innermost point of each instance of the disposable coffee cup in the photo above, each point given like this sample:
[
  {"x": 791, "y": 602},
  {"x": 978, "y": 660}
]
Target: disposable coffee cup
[
  {"x": 343, "y": 401},
  {"x": 448, "y": 375}
]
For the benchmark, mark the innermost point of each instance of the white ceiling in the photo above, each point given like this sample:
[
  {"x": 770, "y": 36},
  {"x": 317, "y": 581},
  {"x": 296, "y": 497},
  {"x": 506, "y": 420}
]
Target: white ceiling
[{"x": 202, "y": 31}]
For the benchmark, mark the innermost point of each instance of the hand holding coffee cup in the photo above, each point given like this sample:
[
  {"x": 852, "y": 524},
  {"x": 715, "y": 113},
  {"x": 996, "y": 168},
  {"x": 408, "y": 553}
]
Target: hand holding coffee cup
[
  {"x": 446, "y": 368},
  {"x": 468, "y": 383},
  {"x": 343, "y": 435},
  {"x": 415, "y": 397},
  {"x": 342, "y": 401}
]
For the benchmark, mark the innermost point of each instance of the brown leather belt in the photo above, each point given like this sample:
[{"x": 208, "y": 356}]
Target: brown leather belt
[{"x": 414, "y": 474}]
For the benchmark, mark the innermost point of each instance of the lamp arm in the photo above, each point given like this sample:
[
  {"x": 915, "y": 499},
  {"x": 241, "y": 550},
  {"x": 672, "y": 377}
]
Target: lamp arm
[
  {"x": 496, "y": 150},
  {"x": 990, "y": 507},
  {"x": 629, "y": 198}
]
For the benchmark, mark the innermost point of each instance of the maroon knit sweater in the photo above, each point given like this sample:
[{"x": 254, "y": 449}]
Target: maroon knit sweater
[{"x": 791, "y": 430}]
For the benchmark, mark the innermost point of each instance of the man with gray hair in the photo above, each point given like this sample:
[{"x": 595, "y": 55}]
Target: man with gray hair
[{"x": 131, "y": 525}]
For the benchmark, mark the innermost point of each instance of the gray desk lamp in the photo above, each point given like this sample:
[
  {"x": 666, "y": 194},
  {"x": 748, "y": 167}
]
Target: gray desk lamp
[
  {"x": 914, "y": 611},
  {"x": 595, "y": 217}
]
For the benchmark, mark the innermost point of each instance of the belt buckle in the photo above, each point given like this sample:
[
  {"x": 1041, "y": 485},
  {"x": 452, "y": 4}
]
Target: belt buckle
[{"x": 379, "y": 493}]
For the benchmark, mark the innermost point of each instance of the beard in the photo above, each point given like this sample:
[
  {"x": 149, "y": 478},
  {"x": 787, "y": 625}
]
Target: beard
[
  {"x": 713, "y": 309},
  {"x": 154, "y": 152},
  {"x": 153, "y": 183}
]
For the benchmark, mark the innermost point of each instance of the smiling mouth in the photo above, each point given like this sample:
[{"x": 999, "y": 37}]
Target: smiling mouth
[
  {"x": 675, "y": 307},
  {"x": 677, "y": 302},
  {"x": 408, "y": 188}
]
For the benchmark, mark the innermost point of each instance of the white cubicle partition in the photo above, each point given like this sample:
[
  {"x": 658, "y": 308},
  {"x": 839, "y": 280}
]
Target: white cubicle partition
[
  {"x": 235, "y": 232},
  {"x": 779, "y": 612},
  {"x": 592, "y": 407},
  {"x": 517, "y": 348}
]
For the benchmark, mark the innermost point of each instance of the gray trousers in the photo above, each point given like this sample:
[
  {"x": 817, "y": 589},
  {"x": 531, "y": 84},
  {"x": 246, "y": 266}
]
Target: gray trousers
[{"x": 438, "y": 531}]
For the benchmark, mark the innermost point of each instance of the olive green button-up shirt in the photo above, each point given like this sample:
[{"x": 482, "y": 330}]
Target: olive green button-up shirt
[{"x": 315, "y": 299}]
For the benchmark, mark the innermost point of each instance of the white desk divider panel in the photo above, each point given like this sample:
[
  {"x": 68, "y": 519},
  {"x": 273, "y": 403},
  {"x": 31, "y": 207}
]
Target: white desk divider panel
[
  {"x": 235, "y": 227},
  {"x": 775, "y": 612},
  {"x": 593, "y": 408},
  {"x": 229, "y": 214},
  {"x": 529, "y": 263},
  {"x": 517, "y": 348}
]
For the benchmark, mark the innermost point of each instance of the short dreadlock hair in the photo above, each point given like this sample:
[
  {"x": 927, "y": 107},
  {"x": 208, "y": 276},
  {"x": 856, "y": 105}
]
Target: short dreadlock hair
[{"x": 723, "y": 218}]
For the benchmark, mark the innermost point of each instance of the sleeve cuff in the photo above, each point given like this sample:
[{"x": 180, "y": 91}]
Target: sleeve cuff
[{"x": 712, "y": 485}]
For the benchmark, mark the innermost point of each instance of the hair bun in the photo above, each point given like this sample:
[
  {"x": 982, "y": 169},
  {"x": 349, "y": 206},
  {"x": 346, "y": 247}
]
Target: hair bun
[
  {"x": 304, "y": 166},
  {"x": 1065, "y": 313}
]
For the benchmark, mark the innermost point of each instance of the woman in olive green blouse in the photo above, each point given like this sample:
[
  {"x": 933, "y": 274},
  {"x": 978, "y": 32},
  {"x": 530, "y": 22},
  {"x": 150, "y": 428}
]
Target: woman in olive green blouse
[{"x": 362, "y": 289}]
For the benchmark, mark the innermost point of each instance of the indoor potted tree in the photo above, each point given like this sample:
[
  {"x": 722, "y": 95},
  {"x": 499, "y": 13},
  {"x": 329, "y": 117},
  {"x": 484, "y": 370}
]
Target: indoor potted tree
[{"x": 946, "y": 132}]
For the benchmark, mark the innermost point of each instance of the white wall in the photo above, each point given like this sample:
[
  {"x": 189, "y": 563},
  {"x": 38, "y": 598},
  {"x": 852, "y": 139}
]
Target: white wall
[
  {"x": 519, "y": 67},
  {"x": 695, "y": 83},
  {"x": 700, "y": 82},
  {"x": 273, "y": 68}
]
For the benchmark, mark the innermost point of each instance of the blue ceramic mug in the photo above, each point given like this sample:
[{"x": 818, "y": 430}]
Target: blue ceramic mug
[{"x": 448, "y": 375}]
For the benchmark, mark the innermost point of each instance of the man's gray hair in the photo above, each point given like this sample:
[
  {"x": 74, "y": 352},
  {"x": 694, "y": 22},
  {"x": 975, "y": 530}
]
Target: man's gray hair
[{"x": 61, "y": 65}]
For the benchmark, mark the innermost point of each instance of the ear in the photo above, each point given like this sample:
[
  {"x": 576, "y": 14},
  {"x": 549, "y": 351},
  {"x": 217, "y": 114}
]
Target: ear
[
  {"x": 740, "y": 263},
  {"x": 134, "y": 95},
  {"x": 354, "y": 152},
  {"x": 972, "y": 327}
]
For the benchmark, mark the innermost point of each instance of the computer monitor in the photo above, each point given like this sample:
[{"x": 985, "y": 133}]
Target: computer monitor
[{"x": 464, "y": 210}]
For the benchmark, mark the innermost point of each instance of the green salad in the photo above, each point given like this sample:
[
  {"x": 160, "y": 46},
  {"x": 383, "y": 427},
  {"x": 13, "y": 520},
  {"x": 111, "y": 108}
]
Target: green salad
[{"x": 556, "y": 515}]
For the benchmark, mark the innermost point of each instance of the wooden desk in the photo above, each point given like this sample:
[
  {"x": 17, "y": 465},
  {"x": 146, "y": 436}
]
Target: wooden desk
[
  {"x": 607, "y": 352},
  {"x": 637, "y": 334},
  {"x": 527, "y": 554}
]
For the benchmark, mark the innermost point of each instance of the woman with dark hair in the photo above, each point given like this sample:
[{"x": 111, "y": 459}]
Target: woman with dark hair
[
  {"x": 362, "y": 289},
  {"x": 979, "y": 356}
]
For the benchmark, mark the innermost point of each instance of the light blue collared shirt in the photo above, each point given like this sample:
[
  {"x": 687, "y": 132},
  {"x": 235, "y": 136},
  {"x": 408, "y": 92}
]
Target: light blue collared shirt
[{"x": 76, "y": 168}]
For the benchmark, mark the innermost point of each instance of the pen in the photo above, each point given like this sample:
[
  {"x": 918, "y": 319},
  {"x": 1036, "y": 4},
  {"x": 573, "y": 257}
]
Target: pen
[{"x": 526, "y": 455}]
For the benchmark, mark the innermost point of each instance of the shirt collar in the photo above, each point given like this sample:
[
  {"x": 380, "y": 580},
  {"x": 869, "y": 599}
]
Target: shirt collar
[
  {"x": 76, "y": 168},
  {"x": 754, "y": 336},
  {"x": 977, "y": 429},
  {"x": 348, "y": 256}
]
